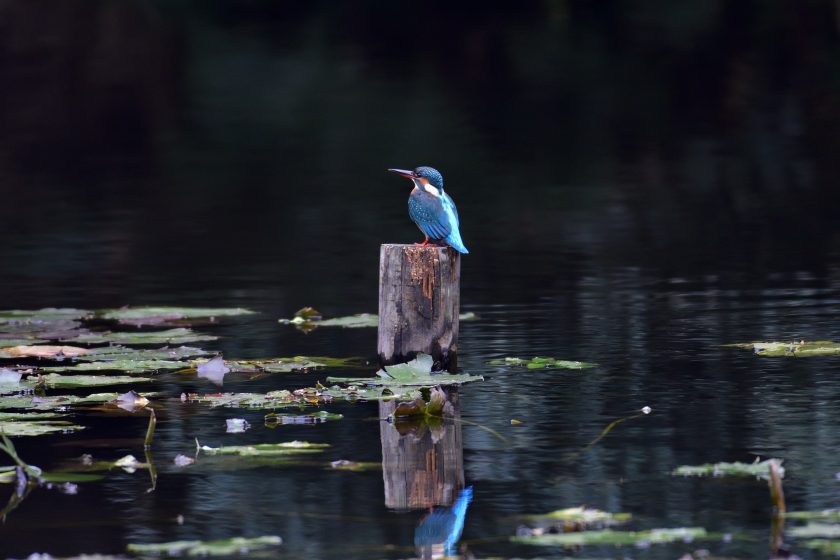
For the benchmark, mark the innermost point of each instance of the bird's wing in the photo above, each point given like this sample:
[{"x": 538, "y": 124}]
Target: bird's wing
[{"x": 430, "y": 215}]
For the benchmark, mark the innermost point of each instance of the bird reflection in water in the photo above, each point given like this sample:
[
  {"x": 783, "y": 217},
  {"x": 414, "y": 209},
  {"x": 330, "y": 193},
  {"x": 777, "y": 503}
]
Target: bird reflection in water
[{"x": 437, "y": 534}]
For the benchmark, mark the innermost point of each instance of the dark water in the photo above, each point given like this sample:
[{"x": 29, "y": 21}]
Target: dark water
[{"x": 639, "y": 183}]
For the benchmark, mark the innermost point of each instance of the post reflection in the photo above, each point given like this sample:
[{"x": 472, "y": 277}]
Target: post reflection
[{"x": 423, "y": 468}]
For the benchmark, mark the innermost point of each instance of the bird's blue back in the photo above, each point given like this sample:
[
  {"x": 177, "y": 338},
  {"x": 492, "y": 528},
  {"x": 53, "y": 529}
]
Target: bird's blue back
[{"x": 437, "y": 217}]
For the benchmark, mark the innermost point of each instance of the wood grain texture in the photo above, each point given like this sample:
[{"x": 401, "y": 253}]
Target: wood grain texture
[
  {"x": 422, "y": 464},
  {"x": 419, "y": 302}
]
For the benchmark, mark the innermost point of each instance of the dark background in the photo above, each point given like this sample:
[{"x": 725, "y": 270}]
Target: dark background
[{"x": 639, "y": 182}]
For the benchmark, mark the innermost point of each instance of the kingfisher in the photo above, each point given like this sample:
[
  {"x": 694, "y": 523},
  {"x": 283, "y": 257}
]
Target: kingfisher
[
  {"x": 443, "y": 526},
  {"x": 432, "y": 209}
]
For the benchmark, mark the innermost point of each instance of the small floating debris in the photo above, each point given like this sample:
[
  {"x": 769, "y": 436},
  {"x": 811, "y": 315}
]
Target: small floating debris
[
  {"x": 236, "y": 425},
  {"x": 183, "y": 461},
  {"x": 345, "y": 465},
  {"x": 274, "y": 418},
  {"x": 756, "y": 469}
]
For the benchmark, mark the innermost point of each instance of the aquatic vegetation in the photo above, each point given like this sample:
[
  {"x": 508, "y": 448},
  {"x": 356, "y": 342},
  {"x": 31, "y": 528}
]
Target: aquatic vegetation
[
  {"x": 815, "y": 530},
  {"x": 420, "y": 407},
  {"x": 541, "y": 363},
  {"x": 415, "y": 373},
  {"x": 285, "y": 365},
  {"x": 170, "y": 336},
  {"x": 127, "y": 366},
  {"x": 582, "y": 515},
  {"x": 225, "y": 547},
  {"x": 273, "y": 419},
  {"x": 612, "y": 537},
  {"x": 160, "y": 315},
  {"x": 42, "y": 351},
  {"x": 308, "y": 319},
  {"x": 47, "y": 314},
  {"x": 754, "y": 469},
  {"x": 213, "y": 370},
  {"x": 272, "y": 399},
  {"x": 31, "y": 402},
  {"x": 825, "y": 514},
  {"x": 264, "y": 449},
  {"x": 58, "y": 381},
  {"x": 796, "y": 349},
  {"x": 33, "y": 424},
  {"x": 119, "y": 353}
]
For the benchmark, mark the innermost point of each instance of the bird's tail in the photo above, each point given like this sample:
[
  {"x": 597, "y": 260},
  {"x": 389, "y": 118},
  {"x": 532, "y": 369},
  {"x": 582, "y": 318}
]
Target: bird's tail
[
  {"x": 459, "y": 508},
  {"x": 454, "y": 240}
]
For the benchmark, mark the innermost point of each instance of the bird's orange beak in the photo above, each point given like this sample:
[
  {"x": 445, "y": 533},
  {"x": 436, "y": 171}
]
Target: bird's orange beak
[{"x": 404, "y": 173}]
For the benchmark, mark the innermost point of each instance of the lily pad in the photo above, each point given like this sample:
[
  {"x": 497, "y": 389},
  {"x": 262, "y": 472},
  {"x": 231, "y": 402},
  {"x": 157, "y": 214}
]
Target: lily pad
[
  {"x": 58, "y": 381},
  {"x": 826, "y": 546},
  {"x": 815, "y": 530},
  {"x": 415, "y": 373},
  {"x": 42, "y": 351},
  {"x": 309, "y": 318},
  {"x": 29, "y": 402},
  {"x": 755, "y": 469},
  {"x": 272, "y": 399},
  {"x": 285, "y": 365},
  {"x": 47, "y": 314},
  {"x": 226, "y": 547},
  {"x": 583, "y": 515},
  {"x": 170, "y": 336},
  {"x": 265, "y": 449},
  {"x": 542, "y": 363},
  {"x": 127, "y": 366},
  {"x": 794, "y": 349},
  {"x": 12, "y": 342},
  {"x": 117, "y": 353},
  {"x": 162, "y": 315},
  {"x": 825, "y": 514},
  {"x": 615, "y": 538},
  {"x": 19, "y": 428},
  {"x": 273, "y": 419}
]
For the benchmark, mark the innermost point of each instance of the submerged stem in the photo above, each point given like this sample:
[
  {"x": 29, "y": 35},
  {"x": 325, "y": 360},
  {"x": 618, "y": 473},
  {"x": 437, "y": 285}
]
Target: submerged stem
[{"x": 150, "y": 431}]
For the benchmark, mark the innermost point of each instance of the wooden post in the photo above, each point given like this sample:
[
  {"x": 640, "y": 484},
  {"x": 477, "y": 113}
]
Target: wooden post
[
  {"x": 419, "y": 301},
  {"x": 422, "y": 458}
]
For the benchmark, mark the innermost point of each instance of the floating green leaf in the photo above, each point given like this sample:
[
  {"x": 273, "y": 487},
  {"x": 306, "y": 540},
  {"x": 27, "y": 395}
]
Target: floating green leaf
[
  {"x": 12, "y": 342},
  {"x": 799, "y": 349},
  {"x": 170, "y": 336},
  {"x": 616, "y": 538},
  {"x": 47, "y": 314},
  {"x": 42, "y": 351},
  {"x": 29, "y": 402},
  {"x": 272, "y": 399},
  {"x": 825, "y": 514},
  {"x": 308, "y": 319},
  {"x": 415, "y": 373},
  {"x": 274, "y": 418},
  {"x": 284, "y": 365},
  {"x": 755, "y": 469},
  {"x": 127, "y": 366},
  {"x": 226, "y": 547},
  {"x": 265, "y": 449},
  {"x": 117, "y": 353},
  {"x": 826, "y": 546},
  {"x": 58, "y": 381},
  {"x": 815, "y": 530},
  {"x": 162, "y": 315},
  {"x": 583, "y": 515},
  {"x": 542, "y": 363},
  {"x": 18, "y": 428}
]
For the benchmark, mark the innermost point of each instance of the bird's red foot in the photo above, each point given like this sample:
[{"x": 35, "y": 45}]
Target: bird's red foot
[{"x": 425, "y": 242}]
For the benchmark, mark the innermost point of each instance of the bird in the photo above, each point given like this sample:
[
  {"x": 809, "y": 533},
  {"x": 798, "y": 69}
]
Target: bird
[
  {"x": 443, "y": 526},
  {"x": 432, "y": 209}
]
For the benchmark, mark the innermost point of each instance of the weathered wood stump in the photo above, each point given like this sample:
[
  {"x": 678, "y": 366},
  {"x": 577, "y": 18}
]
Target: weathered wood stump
[
  {"x": 422, "y": 458},
  {"x": 419, "y": 302}
]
